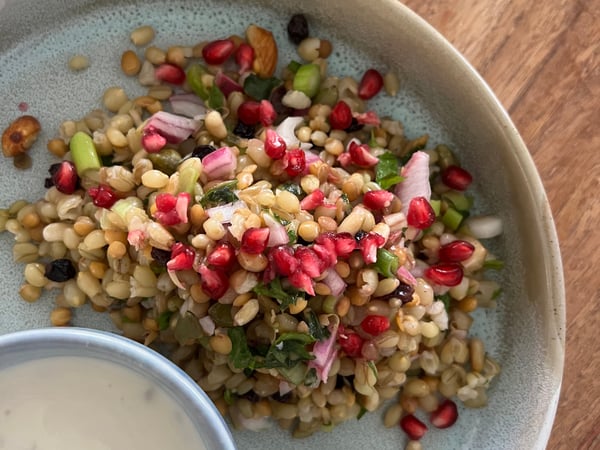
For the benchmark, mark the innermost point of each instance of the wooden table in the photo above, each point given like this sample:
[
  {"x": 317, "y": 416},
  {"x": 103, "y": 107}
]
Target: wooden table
[{"x": 542, "y": 59}]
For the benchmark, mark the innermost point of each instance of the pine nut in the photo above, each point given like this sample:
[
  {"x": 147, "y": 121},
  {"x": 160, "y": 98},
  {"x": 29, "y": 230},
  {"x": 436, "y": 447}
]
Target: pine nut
[{"x": 142, "y": 36}]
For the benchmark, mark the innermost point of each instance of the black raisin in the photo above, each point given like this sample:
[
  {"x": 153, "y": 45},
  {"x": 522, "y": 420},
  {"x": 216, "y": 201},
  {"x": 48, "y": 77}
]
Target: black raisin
[
  {"x": 297, "y": 28},
  {"x": 251, "y": 396},
  {"x": 285, "y": 398},
  {"x": 60, "y": 270},
  {"x": 404, "y": 292},
  {"x": 202, "y": 150},
  {"x": 244, "y": 131},
  {"x": 48, "y": 182},
  {"x": 360, "y": 234},
  {"x": 354, "y": 126},
  {"x": 161, "y": 257}
]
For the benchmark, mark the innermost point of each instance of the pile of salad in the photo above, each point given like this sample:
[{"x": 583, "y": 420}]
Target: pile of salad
[{"x": 292, "y": 250}]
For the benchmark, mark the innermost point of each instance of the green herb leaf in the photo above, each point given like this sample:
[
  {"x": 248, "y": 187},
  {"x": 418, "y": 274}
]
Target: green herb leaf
[
  {"x": 373, "y": 368},
  {"x": 275, "y": 290},
  {"x": 220, "y": 313},
  {"x": 387, "y": 171},
  {"x": 294, "y": 188},
  {"x": 292, "y": 236},
  {"x": 187, "y": 329},
  {"x": 320, "y": 333},
  {"x": 362, "y": 412},
  {"x": 220, "y": 194},
  {"x": 228, "y": 396},
  {"x": 493, "y": 264},
  {"x": 164, "y": 319},
  {"x": 288, "y": 350},
  {"x": 216, "y": 99},
  {"x": 260, "y": 88},
  {"x": 240, "y": 355}
]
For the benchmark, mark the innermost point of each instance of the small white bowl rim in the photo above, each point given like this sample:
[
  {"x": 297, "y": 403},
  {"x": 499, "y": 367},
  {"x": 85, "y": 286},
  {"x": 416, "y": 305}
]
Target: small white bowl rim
[{"x": 216, "y": 432}]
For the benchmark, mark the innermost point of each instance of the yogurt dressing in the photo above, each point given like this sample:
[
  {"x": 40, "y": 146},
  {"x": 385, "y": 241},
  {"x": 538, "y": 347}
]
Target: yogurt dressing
[{"x": 80, "y": 403}]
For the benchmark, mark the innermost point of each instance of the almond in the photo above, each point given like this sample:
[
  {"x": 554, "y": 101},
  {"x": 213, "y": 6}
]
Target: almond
[{"x": 265, "y": 50}]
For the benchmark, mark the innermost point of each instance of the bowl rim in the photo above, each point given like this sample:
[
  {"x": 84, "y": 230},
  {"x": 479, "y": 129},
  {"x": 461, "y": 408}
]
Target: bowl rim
[
  {"x": 215, "y": 431},
  {"x": 554, "y": 273}
]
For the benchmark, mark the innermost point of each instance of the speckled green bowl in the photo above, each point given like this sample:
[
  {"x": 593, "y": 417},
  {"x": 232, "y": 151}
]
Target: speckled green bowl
[{"x": 441, "y": 94}]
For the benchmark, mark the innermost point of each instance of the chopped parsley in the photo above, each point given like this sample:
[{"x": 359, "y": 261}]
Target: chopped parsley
[
  {"x": 274, "y": 289},
  {"x": 387, "y": 171}
]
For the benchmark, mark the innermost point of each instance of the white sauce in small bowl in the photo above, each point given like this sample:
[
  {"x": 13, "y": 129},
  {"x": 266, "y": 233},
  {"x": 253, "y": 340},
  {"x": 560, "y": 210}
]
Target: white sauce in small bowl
[{"x": 81, "y": 403}]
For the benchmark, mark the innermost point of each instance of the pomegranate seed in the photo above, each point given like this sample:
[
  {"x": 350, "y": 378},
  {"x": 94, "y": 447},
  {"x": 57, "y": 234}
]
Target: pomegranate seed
[
  {"x": 266, "y": 113},
  {"x": 326, "y": 252},
  {"x": 368, "y": 118},
  {"x": 103, "y": 196},
  {"x": 456, "y": 178},
  {"x": 214, "y": 282},
  {"x": 370, "y": 84},
  {"x": 182, "y": 257},
  {"x": 420, "y": 213},
  {"x": 445, "y": 415},
  {"x": 295, "y": 162},
  {"x": 170, "y": 73},
  {"x": 351, "y": 343},
  {"x": 456, "y": 251},
  {"x": 254, "y": 240},
  {"x": 217, "y": 52},
  {"x": 368, "y": 246},
  {"x": 302, "y": 281},
  {"x": 446, "y": 274},
  {"x": 275, "y": 146},
  {"x": 344, "y": 244},
  {"x": 413, "y": 427},
  {"x": 249, "y": 112},
  {"x": 244, "y": 57},
  {"x": 309, "y": 261},
  {"x": 165, "y": 202},
  {"x": 223, "y": 255},
  {"x": 152, "y": 140},
  {"x": 375, "y": 324},
  {"x": 312, "y": 200},
  {"x": 64, "y": 177},
  {"x": 377, "y": 200},
  {"x": 340, "y": 117},
  {"x": 361, "y": 155},
  {"x": 283, "y": 260},
  {"x": 227, "y": 85}
]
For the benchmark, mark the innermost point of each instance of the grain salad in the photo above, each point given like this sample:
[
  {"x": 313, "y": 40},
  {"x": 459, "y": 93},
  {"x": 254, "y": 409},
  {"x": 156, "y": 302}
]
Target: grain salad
[{"x": 292, "y": 250}]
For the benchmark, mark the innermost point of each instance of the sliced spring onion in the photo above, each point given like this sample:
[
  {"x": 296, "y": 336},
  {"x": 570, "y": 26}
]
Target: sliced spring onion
[
  {"x": 194, "y": 79},
  {"x": 83, "y": 152},
  {"x": 452, "y": 219},
  {"x": 436, "y": 205},
  {"x": 387, "y": 263},
  {"x": 308, "y": 79},
  {"x": 458, "y": 201}
]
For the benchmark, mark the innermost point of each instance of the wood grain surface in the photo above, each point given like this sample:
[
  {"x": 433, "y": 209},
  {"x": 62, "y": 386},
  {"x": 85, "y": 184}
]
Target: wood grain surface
[{"x": 542, "y": 59}]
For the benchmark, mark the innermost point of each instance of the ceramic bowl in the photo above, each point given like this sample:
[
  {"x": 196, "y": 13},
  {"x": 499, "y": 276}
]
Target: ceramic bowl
[
  {"x": 441, "y": 94},
  {"x": 148, "y": 368}
]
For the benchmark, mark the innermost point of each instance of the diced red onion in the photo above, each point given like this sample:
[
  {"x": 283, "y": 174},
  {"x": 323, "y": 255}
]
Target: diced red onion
[
  {"x": 284, "y": 387},
  {"x": 325, "y": 353},
  {"x": 226, "y": 84},
  {"x": 219, "y": 164},
  {"x": 224, "y": 213},
  {"x": 277, "y": 233},
  {"x": 208, "y": 325},
  {"x": 189, "y": 105},
  {"x": 174, "y": 128},
  {"x": 335, "y": 283},
  {"x": 405, "y": 276},
  {"x": 416, "y": 180}
]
